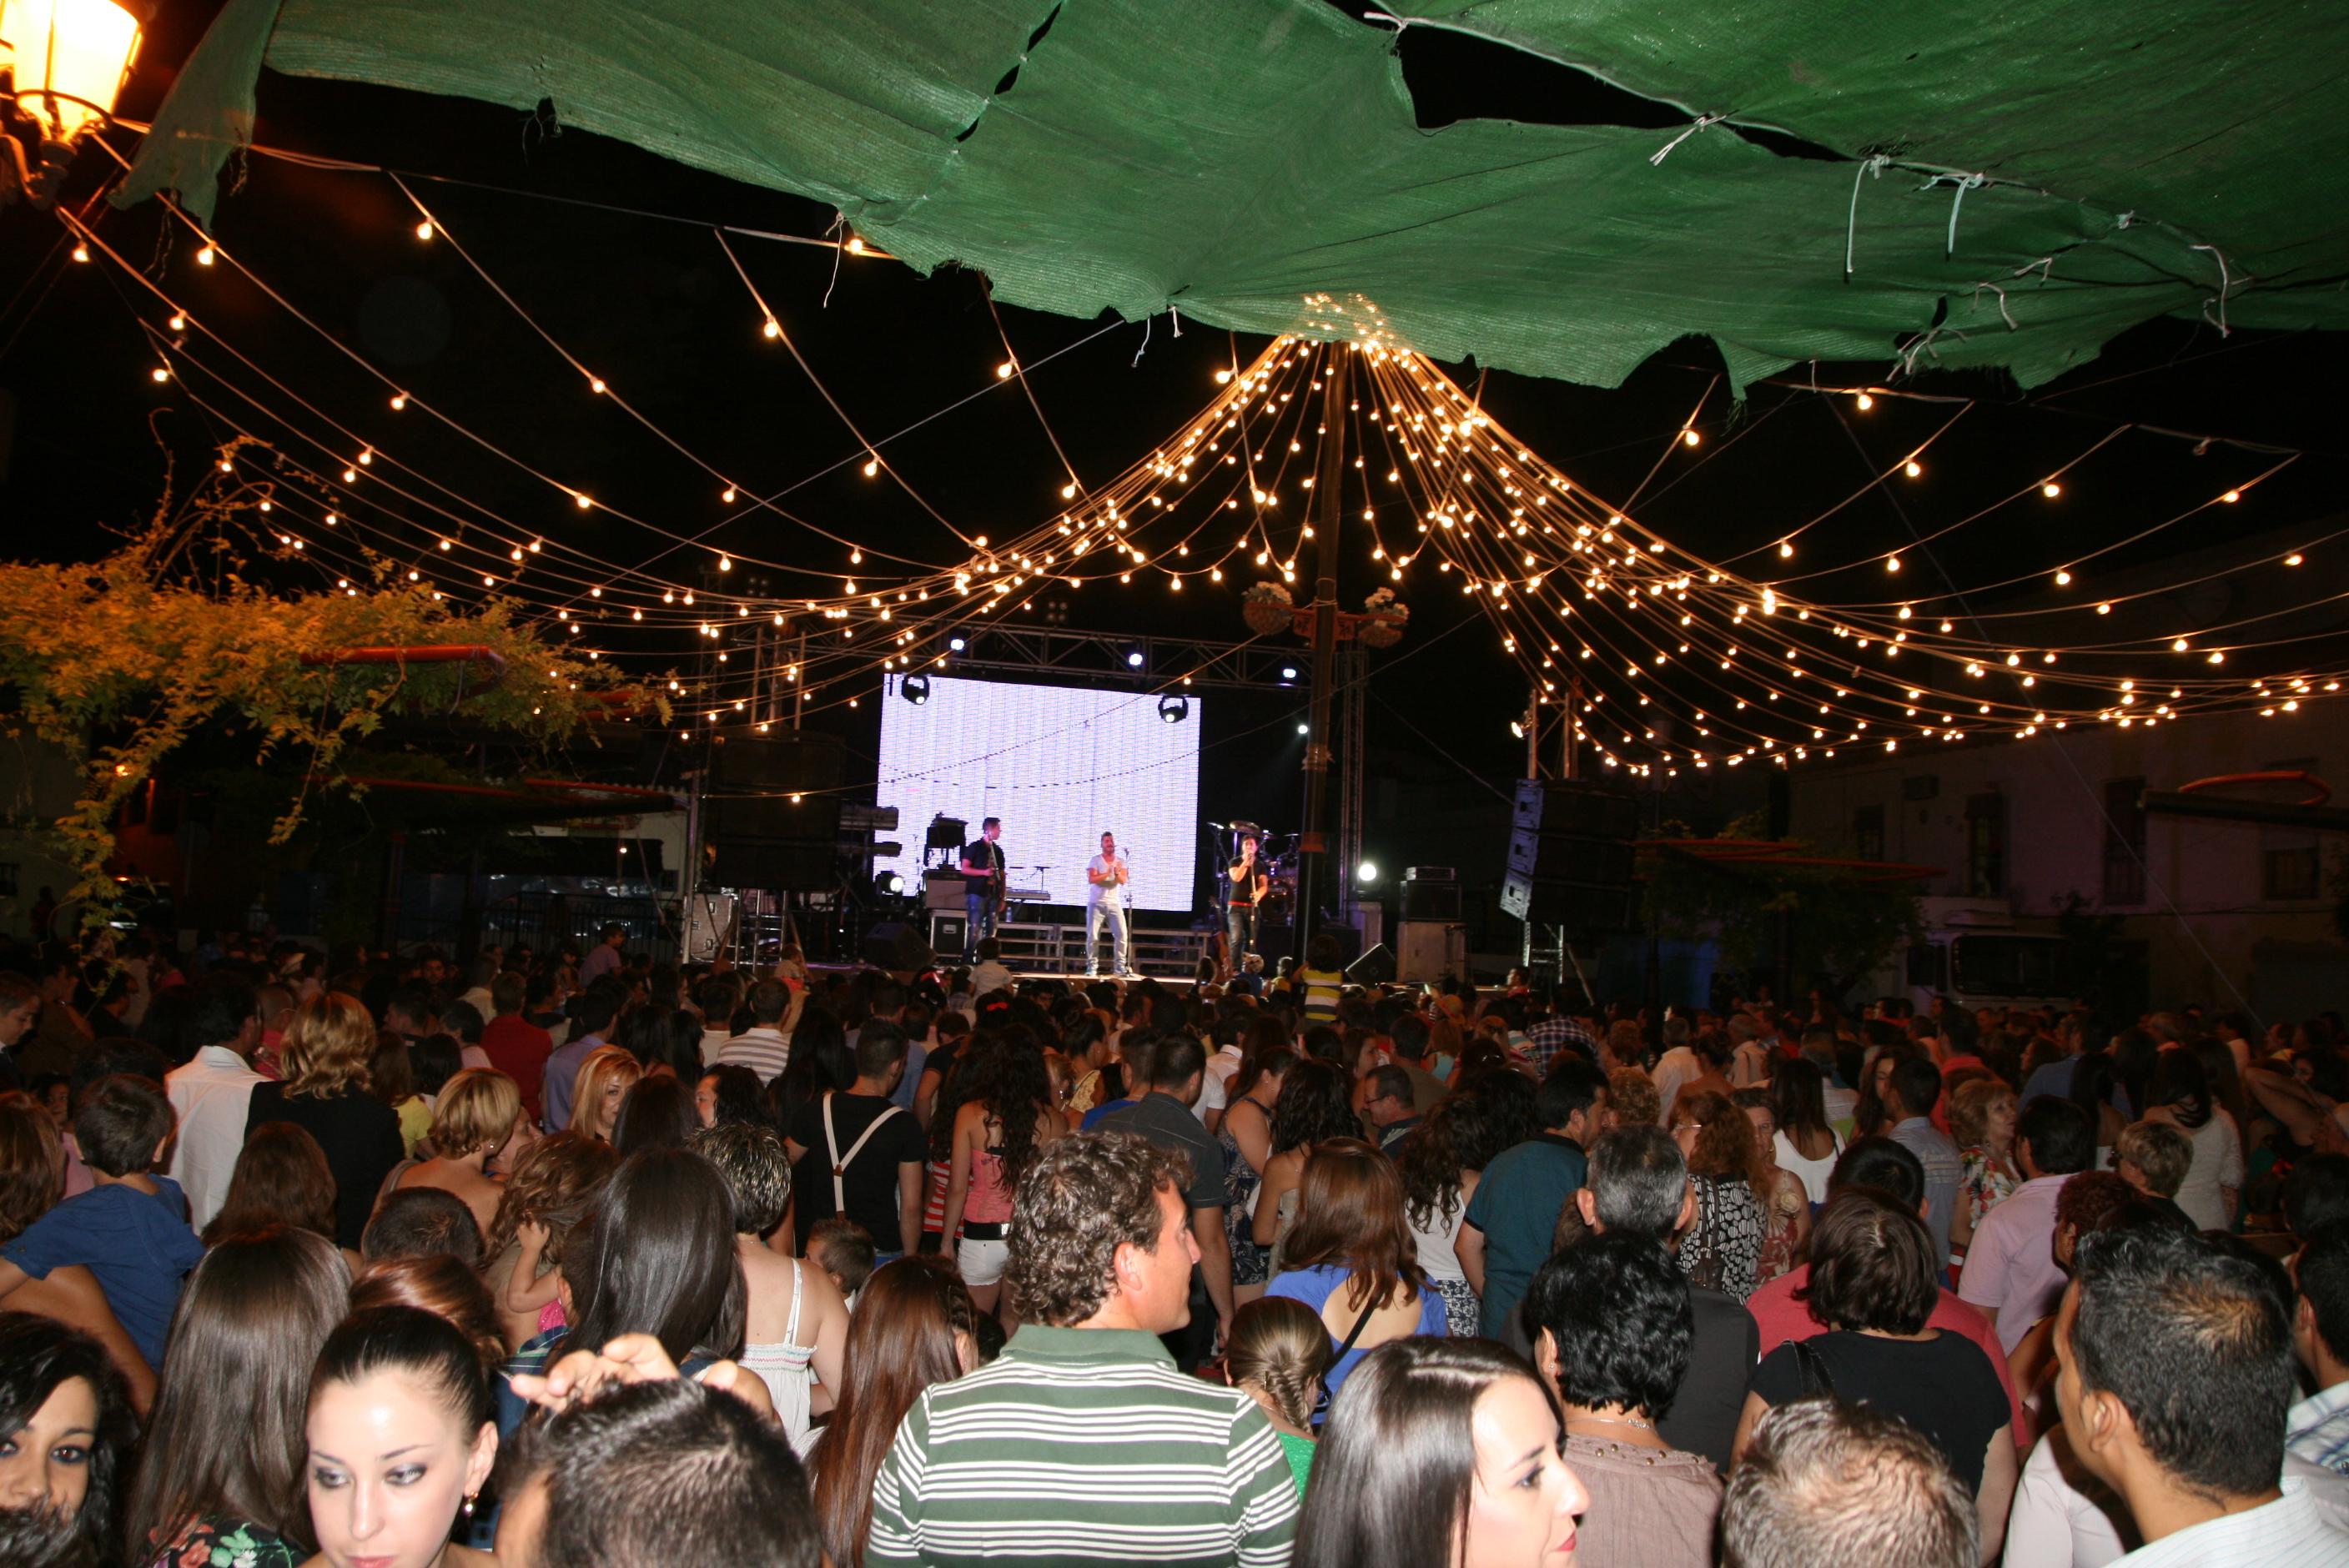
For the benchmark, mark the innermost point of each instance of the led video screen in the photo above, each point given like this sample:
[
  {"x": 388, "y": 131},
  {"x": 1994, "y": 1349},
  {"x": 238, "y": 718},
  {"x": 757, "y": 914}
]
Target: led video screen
[{"x": 1062, "y": 766}]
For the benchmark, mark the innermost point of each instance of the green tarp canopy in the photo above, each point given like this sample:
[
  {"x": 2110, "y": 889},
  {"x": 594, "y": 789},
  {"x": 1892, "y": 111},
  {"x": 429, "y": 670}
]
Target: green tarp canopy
[{"x": 1238, "y": 160}]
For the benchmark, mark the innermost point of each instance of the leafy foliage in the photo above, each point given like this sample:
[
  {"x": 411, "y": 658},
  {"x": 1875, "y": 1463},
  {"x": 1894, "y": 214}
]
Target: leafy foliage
[{"x": 122, "y": 660}]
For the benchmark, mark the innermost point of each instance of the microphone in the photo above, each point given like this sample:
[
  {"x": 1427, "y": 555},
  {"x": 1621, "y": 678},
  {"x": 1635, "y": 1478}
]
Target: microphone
[{"x": 1216, "y": 824}]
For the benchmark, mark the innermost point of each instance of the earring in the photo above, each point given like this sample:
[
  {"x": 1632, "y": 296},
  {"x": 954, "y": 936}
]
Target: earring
[{"x": 469, "y": 1504}]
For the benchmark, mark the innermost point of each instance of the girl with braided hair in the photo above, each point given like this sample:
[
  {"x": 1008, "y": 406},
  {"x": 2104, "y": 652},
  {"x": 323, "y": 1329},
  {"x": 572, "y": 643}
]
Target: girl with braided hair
[{"x": 1277, "y": 1354}]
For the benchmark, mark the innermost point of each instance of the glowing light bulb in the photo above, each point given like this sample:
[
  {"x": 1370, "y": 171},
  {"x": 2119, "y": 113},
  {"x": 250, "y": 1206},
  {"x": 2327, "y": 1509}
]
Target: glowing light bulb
[
  {"x": 595, "y": 384},
  {"x": 772, "y": 328},
  {"x": 1069, "y": 490},
  {"x": 1892, "y": 563},
  {"x": 204, "y": 256},
  {"x": 2231, "y": 497},
  {"x": 424, "y": 230},
  {"x": 398, "y": 401},
  {"x": 1785, "y": 550},
  {"x": 724, "y": 562},
  {"x": 582, "y": 500},
  {"x": 2178, "y": 646},
  {"x": 1003, "y": 371},
  {"x": 1690, "y": 438},
  {"x": 2293, "y": 560},
  {"x": 1864, "y": 402},
  {"x": 179, "y": 323},
  {"x": 2051, "y": 490},
  {"x": 81, "y": 253},
  {"x": 1223, "y": 378},
  {"x": 2062, "y": 578},
  {"x": 855, "y": 248},
  {"x": 871, "y": 467},
  {"x": 1912, "y": 467},
  {"x": 727, "y": 495},
  {"x": 161, "y": 373}
]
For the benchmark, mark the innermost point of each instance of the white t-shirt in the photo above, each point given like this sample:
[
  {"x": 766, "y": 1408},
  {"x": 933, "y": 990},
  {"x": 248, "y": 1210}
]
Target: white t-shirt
[{"x": 1104, "y": 892}]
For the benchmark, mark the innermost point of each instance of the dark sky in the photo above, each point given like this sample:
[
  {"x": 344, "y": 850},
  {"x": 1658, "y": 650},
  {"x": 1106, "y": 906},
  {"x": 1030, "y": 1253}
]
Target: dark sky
[{"x": 658, "y": 308}]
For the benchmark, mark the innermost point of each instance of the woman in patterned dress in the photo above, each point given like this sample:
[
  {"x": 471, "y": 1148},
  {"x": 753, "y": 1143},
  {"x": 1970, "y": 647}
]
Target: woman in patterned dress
[{"x": 1722, "y": 1251}]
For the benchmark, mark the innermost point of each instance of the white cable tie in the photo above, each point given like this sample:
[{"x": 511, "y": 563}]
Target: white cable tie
[
  {"x": 1175, "y": 315},
  {"x": 2226, "y": 284},
  {"x": 1138, "y": 353},
  {"x": 1872, "y": 164},
  {"x": 1965, "y": 184},
  {"x": 1657, "y": 157},
  {"x": 1993, "y": 288}
]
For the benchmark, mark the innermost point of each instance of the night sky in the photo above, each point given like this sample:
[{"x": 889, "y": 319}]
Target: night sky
[{"x": 655, "y": 306}]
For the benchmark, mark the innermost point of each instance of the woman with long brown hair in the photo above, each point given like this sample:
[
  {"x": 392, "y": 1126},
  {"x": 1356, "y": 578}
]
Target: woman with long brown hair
[
  {"x": 222, "y": 1466},
  {"x": 1350, "y": 1257},
  {"x": 327, "y": 1092},
  {"x": 913, "y": 1326},
  {"x": 282, "y": 1177},
  {"x": 552, "y": 1191},
  {"x": 1722, "y": 1251},
  {"x": 1005, "y": 1121}
]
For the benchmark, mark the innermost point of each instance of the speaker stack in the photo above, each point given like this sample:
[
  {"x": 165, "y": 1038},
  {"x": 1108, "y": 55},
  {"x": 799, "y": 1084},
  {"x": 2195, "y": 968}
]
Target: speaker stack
[
  {"x": 1570, "y": 851},
  {"x": 754, "y": 835}
]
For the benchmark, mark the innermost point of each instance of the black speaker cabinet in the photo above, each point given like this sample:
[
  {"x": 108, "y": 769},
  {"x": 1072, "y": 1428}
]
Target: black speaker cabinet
[
  {"x": 1583, "y": 908},
  {"x": 897, "y": 944},
  {"x": 1430, "y": 901},
  {"x": 796, "y": 865},
  {"x": 1376, "y": 967}
]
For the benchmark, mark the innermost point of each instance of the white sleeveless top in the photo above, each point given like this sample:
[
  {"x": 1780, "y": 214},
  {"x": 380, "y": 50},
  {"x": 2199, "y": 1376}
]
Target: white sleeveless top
[
  {"x": 1812, "y": 1173},
  {"x": 1437, "y": 1255},
  {"x": 783, "y": 1368}
]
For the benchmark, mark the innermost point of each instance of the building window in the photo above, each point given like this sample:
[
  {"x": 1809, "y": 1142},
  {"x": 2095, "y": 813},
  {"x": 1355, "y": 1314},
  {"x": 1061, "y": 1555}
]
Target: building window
[
  {"x": 2289, "y": 861},
  {"x": 1867, "y": 832},
  {"x": 2123, "y": 841},
  {"x": 1986, "y": 846}
]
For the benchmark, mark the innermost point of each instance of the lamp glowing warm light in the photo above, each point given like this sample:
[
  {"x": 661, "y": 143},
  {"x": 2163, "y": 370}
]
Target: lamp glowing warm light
[
  {"x": 424, "y": 230},
  {"x": 1864, "y": 402},
  {"x": 71, "y": 59},
  {"x": 1912, "y": 467},
  {"x": 2051, "y": 490}
]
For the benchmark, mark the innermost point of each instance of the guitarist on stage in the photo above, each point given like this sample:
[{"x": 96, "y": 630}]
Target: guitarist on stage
[
  {"x": 984, "y": 888},
  {"x": 1247, "y": 882}
]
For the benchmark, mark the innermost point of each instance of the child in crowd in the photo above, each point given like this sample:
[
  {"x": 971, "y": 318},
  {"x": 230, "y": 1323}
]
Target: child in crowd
[
  {"x": 1276, "y": 1355},
  {"x": 843, "y": 1249},
  {"x": 131, "y": 1229}
]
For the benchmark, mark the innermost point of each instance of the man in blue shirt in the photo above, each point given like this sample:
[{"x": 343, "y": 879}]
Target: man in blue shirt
[
  {"x": 131, "y": 1229},
  {"x": 592, "y": 1011},
  {"x": 1915, "y": 1089},
  {"x": 1505, "y": 1235}
]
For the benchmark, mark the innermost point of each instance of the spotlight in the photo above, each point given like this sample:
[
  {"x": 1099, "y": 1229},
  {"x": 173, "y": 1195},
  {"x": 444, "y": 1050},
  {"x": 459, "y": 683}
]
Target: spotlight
[
  {"x": 1173, "y": 709},
  {"x": 889, "y": 885},
  {"x": 915, "y": 689},
  {"x": 1133, "y": 659},
  {"x": 1366, "y": 873},
  {"x": 1304, "y": 729},
  {"x": 1289, "y": 672},
  {"x": 955, "y": 645}
]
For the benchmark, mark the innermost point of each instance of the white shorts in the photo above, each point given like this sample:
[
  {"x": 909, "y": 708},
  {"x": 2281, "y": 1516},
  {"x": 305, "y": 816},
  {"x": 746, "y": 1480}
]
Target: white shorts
[{"x": 981, "y": 1262}]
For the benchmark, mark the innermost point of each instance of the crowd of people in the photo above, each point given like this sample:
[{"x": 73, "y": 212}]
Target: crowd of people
[{"x": 377, "y": 1261}]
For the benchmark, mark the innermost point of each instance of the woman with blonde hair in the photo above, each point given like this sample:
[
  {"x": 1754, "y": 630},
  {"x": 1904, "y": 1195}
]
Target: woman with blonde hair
[
  {"x": 472, "y": 1119},
  {"x": 327, "y": 1092},
  {"x": 1981, "y": 1115},
  {"x": 604, "y": 1081}
]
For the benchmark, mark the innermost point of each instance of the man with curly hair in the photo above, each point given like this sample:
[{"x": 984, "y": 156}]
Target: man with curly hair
[{"x": 1083, "y": 1443}]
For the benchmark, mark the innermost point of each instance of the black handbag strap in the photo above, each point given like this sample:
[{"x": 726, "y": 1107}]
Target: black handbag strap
[{"x": 1356, "y": 1333}]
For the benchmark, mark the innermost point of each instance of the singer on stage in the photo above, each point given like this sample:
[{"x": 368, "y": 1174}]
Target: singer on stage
[
  {"x": 1106, "y": 900},
  {"x": 983, "y": 885},
  {"x": 1247, "y": 882}
]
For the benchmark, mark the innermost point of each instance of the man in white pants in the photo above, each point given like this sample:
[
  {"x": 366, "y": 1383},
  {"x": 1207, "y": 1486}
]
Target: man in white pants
[{"x": 1105, "y": 898}]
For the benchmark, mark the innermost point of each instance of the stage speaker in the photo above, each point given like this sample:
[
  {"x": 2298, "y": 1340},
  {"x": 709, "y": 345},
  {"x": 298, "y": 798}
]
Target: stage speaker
[
  {"x": 1575, "y": 807},
  {"x": 896, "y": 945},
  {"x": 1588, "y": 909},
  {"x": 1546, "y": 856},
  {"x": 949, "y": 934},
  {"x": 1430, "y": 901},
  {"x": 748, "y": 794},
  {"x": 1376, "y": 967}
]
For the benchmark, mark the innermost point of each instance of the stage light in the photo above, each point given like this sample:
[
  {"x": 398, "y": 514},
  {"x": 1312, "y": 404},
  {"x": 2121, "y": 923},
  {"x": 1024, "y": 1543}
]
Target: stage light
[
  {"x": 1289, "y": 672},
  {"x": 1366, "y": 873},
  {"x": 889, "y": 885},
  {"x": 955, "y": 645},
  {"x": 1304, "y": 729},
  {"x": 1173, "y": 709},
  {"x": 915, "y": 689},
  {"x": 1133, "y": 659}
]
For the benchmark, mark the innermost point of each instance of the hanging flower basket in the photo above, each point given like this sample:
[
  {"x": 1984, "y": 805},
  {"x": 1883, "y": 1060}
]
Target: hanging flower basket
[
  {"x": 1385, "y": 618},
  {"x": 1267, "y": 608}
]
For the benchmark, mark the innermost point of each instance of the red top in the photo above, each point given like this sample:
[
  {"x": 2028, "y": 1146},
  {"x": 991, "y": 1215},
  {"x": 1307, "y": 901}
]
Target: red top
[{"x": 519, "y": 1048}]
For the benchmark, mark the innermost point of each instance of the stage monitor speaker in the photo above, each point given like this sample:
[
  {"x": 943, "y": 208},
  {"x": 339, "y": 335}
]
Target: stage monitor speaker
[
  {"x": 949, "y": 934},
  {"x": 897, "y": 944},
  {"x": 1430, "y": 901},
  {"x": 1376, "y": 967},
  {"x": 1588, "y": 909},
  {"x": 1557, "y": 856},
  {"x": 709, "y": 919},
  {"x": 772, "y": 865},
  {"x": 1576, "y": 808}
]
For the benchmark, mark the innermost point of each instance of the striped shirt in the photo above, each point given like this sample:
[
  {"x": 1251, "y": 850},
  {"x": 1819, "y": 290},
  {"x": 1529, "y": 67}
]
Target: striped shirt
[
  {"x": 1082, "y": 1445},
  {"x": 2317, "y": 1428},
  {"x": 2292, "y": 1531},
  {"x": 1322, "y": 988},
  {"x": 761, "y": 1048}
]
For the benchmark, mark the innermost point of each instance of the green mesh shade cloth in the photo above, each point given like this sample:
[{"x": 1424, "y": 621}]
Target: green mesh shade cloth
[{"x": 1238, "y": 160}]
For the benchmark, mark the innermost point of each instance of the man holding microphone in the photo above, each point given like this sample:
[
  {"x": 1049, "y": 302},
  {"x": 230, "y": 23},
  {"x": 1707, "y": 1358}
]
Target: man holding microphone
[{"x": 1106, "y": 877}]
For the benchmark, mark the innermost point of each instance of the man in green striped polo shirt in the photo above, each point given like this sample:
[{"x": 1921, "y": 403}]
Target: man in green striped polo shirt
[{"x": 1082, "y": 1443}]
